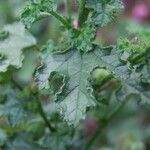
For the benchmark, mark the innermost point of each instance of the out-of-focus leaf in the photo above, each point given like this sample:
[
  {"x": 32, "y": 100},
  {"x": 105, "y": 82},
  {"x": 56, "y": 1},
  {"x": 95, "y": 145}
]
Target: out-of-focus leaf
[
  {"x": 103, "y": 11},
  {"x": 25, "y": 73},
  {"x": 12, "y": 107},
  {"x": 3, "y": 137},
  {"x": 54, "y": 142},
  {"x": 11, "y": 46},
  {"x": 136, "y": 39},
  {"x": 133, "y": 86},
  {"x": 23, "y": 141}
]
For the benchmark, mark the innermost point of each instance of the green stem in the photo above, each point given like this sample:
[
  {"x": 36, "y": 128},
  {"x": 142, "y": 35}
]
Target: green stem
[
  {"x": 83, "y": 12},
  {"x": 68, "y": 7},
  {"x": 42, "y": 113},
  {"x": 102, "y": 125},
  {"x": 62, "y": 19},
  {"x": 16, "y": 84},
  {"x": 40, "y": 109}
]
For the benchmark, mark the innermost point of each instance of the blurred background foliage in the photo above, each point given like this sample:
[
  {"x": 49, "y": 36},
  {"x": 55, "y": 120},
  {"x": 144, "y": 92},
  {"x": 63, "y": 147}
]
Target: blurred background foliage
[{"x": 131, "y": 128}]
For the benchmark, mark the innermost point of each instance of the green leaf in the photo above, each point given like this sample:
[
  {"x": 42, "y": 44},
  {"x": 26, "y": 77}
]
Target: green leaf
[
  {"x": 62, "y": 47},
  {"x": 25, "y": 73},
  {"x": 11, "y": 47},
  {"x": 136, "y": 39},
  {"x": 57, "y": 83},
  {"x": 12, "y": 107},
  {"x": 76, "y": 97},
  {"x": 82, "y": 39},
  {"x": 35, "y": 9},
  {"x": 103, "y": 11},
  {"x": 137, "y": 86},
  {"x": 3, "y": 35},
  {"x": 145, "y": 72},
  {"x": 22, "y": 141},
  {"x": 75, "y": 101},
  {"x": 55, "y": 142}
]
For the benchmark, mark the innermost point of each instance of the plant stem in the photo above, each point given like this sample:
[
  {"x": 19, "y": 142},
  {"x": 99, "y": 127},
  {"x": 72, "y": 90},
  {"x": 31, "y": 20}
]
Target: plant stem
[
  {"x": 103, "y": 125},
  {"x": 62, "y": 19},
  {"x": 83, "y": 12},
  {"x": 16, "y": 84},
  {"x": 68, "y": 7},
  {"x": 42, "y": 113},
  {"x": 40, "y": 109}
]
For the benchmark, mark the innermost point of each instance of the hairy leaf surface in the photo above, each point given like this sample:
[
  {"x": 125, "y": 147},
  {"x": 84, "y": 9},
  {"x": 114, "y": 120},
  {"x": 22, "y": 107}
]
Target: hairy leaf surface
[
  {"x": 82, "y": 40},
  {"x": 76, "y": 98},
  {"x": 34, "y": 10}
]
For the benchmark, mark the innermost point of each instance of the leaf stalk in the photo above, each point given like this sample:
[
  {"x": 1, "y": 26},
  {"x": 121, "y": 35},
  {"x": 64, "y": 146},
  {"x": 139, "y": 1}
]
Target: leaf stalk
[
  {"x": 40, "y": 109},
  {"x": 60, "y": 18},
  {"x": 42, "y": 113}
]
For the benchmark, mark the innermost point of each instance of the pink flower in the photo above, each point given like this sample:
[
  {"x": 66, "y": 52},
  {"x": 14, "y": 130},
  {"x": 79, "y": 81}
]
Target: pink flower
[
  {"x": 140, "y": 11},
  {"x": 75, "y": 23}
]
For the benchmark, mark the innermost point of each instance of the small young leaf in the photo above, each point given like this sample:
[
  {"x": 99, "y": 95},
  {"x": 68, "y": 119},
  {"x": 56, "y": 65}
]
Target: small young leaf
[{"x": 82, "y": 39}]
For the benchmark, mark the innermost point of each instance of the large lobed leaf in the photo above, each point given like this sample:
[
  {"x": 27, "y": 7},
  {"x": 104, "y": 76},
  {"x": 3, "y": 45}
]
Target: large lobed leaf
[
  {"x": 76, "y": 97},
  {"x": 11, "y": 46}
]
